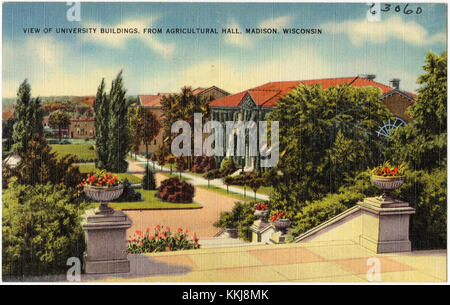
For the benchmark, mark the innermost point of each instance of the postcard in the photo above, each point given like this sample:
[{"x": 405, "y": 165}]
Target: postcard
[{"x": 212, "y": 142}]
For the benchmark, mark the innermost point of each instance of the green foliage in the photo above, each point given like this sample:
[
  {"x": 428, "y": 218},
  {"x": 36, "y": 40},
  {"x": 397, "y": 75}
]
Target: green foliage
[
  {"x": 41, "y": 230},
  {"x": 7, "y": 133},
  {"x": 149, "y": 182},
  {"x": 326, "y": 138},
  {"x": 129, "y": 194},
  {"x": 118, "y": 133},
  {"x": 227, "y": 167},
  {"x": 161, "y": 241},
  {"x": 240, "y": 217},
  {"x": 60, "y": 119},
  {"x": 101, "y": 126},
  {"x": 144, "y": 126},
  {"x": 111, "y": 130},
  {"x": 427, "y": 193},
  {"x": 29, "y": 116},
  {"x": 316, "y": 212},
  {"x": 423, "y": 142},
  {"x": 40, "y": 166}
]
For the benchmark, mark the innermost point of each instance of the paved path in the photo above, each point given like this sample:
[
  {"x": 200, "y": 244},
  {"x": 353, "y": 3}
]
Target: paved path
[
  {"x": 196, "y": 180},
  {"x": 199, "y": 221}
]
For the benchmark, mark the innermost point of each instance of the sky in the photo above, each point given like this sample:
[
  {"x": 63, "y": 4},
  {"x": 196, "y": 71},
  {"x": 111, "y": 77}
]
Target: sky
[{"x": 350, "y": 44}]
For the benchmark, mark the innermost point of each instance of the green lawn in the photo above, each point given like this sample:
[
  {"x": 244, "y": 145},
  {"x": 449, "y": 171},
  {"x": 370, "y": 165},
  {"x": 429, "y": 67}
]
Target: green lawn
[
  {"x": 221, "y": 191},
  {"x": 88, "y": 168},
  {"x": 82, "y": 151},
  {"x": 176, "y": 175},
  {"x": 150, "y": 203}
]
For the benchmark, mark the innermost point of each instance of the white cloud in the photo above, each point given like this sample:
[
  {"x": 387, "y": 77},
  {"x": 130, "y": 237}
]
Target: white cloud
[
  {"x": 119, "y": 40},
  {"x": 237, "y": 40},
  {"x": 361, "y": 31},
  {"x": 278, "y": 22}
]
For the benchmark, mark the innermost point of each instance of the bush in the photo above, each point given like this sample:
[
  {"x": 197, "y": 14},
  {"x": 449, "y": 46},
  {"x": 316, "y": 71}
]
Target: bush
[
  {"x": 176, "y": 191},
  {"x": 319, "y": 211},
  {"x": 227, "y": 167},
  {"x": 149, "y": 182},
  {"x": 427, "y": 193},
  {"x": 161, "y": 241},
  {"x": 240, "y": 217},
  {"x": 129, "y": 194},
  {"x": 203, "y": 164},
  {"x": 41, "y": 230}
]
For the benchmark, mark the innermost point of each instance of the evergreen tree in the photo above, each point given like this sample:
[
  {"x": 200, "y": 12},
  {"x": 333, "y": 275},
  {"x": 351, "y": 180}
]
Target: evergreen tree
[
  {"x": 118, "y": 133},
  {"x": 29, "y": 116},
  {"x": 101, "y": 108},
  {"x": 148, "y": 182}
]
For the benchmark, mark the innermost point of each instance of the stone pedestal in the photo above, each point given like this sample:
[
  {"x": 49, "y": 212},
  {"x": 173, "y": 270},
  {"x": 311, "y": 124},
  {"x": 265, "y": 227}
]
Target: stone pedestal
[
  {"x": 278, "y": 238},
  {"x": 106, "y": 242},
  {"x": 385, "y": 225},
  {"x": 261, "y": 231}
]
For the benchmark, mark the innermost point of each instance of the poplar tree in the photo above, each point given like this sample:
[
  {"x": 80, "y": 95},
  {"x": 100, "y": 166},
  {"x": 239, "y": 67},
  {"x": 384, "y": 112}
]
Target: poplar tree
[
  {"x": 118, "y": 134},
  {"x": 101, "y": 108},
  {"x": 29, "y": 116}
]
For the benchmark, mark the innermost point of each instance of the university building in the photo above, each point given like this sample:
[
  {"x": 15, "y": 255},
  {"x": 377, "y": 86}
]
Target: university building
[{"x": 255, "y": 104}]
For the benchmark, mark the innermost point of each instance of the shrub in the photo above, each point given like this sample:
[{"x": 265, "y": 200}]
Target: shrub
[
  {"x": 149, "y": 182},
  {"x": 427, "y": 193},
  {"x": 176, "y": 191},
  {"x": 203, "y": 164},
  {"x": 161, "y": 241},
  {"x": 240, "y": 217},
  {"x": 129, "y": 194},
  {"x": 39, "y": 165},
  {"x": 319, "y": 211},
  {"x": 41, "y": 230},
  {"x": 227, "y": 167}
]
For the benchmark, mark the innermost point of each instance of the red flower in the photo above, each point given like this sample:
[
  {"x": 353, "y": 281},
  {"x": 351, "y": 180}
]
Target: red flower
[
  {"x": 186, "y": 231},
  {"x": 158, "y": 227},
  {"x": 167, "y": 229},
  {"x": 140, "y": 244},
  {"x": 151, "y": 237},
  {"x": 139, "y": 233},
  {"x": 147, "y": 230},
  {"x": 179, "y": 230}
]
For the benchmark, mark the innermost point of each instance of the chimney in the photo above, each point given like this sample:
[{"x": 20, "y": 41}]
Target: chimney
[
  {"x": 395, "y": 83},
  {"x": 367, "y": 76}
]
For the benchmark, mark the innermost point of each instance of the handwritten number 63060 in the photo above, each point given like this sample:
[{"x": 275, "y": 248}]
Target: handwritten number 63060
[{"x": 396, "y": 8}]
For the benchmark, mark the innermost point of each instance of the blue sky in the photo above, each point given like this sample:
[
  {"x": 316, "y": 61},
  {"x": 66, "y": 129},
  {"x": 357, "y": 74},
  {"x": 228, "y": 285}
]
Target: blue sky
[{"x": 58, "y": 64}]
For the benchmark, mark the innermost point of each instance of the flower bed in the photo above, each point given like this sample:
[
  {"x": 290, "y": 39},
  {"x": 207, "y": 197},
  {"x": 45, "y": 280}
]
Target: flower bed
[{"x": 161, "y": 240}]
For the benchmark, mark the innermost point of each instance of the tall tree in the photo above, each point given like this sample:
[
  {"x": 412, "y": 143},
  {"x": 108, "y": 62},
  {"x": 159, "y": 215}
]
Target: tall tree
[
  {"x": 29, "y": 116},
  {"x": 326, "y": 137},
  {"x": 183, "y": 106},
  {"x": 423, "y": 142},
  {"x": 144, "y": 126},
  {"x": 101, "y": 108},
  {"x": 118, "y": 133},
  {"x": 60, "y": 119}
]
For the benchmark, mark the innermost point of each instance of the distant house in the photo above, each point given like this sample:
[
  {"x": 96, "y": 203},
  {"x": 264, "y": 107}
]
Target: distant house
[
  {"x": 256, "y": 103},
  {"x": 82, "y": 128},
  {"x": 54, "y": 129},
  {"x": 153, "y": 103}
]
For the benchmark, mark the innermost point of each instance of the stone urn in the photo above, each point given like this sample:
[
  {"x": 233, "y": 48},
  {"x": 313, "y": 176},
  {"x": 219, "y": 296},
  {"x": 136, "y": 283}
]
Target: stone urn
[
  {"x": 388, "y": 184},
  {"x": 232, "y": 232},
  {"x": 104, "y": 194},
  {"x": 282, "y": 225},
  {"x": 261, "y": 214}
]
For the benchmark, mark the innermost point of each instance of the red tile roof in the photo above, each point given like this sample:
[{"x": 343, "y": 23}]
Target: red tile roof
[
  {"x": 152, "y": 100},
  {"x": 198, "y": 90},
  {"x": 8, "y": 114},
  {"x": 268, "y": 94}
]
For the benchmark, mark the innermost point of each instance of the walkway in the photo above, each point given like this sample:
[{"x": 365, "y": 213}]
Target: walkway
[
  {"x": 196, "y": 180},
  {"x": 199, "y": 221},
  {"x": 337, "y": 261}
]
